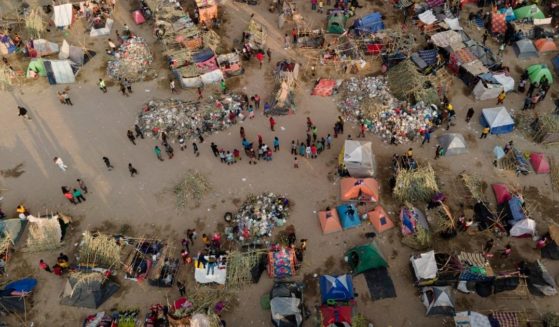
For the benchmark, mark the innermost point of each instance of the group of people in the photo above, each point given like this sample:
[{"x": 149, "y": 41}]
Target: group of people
[
  {"x": 536, "y": 91},
  {"x": 62, "y": 264},
  {"x": 75, "y": 195}
]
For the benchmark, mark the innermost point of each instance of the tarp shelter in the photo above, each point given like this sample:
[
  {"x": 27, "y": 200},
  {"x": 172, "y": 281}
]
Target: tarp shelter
[
  {"x": 59, "y": 72},
  {"x": 329, "y": 221},
  {"x": 484, "y": 54},
  {"x": 502, "y": 193},
  {"x": 358, "y": 158},
  {"x": 427, "y": 17},
  {"x": 336, "y": 288},
  {"x": 218, "y": 275},
  {"x": 545, "y": 45},
  {"x": 88, "y": 290},
  {"x": 424, "y": 265},
  {"x": 505, "y": 80},
  {"x": 515, "y": 210},
  {"x": 63, "y": 15},
  {"x": 11, "y": 229},
  {"x": 453, "y": 144},
  {"x": 138, "y": 17},
  {"x": 380, "y": 220},
  {"x": 524, "y": 49},
  {"x": 410, "y": 217},
  {"x": 438, "y": 301},
  {"x": 77, "y": 55},
  {"x": 497, "y": 119},
  {"x": 105, "y": 30},
  {"x": 538, "y": 71},
  {"x": 286, "y": 304},
  {"x": 336, "y": 22},
  {"x": 24, "y": 285},
  {"x": 349, "y": 217},
  {"x": 334, "y": 316},
  {"x": 359, "y": 189},
  {"x": 370, "y": 23},
  {"x": 539, "y": 163},
  {"x": 324, "y": 87},
  {"x": 365, "y": 257},
  {"x": 525, "y": 227},
  {"x": 498, "y": 152},
  {"x": 471, "y": 319},
  {"x": 435, "y": 3},
  {"x": 7, "y": 46},
  {"x": 531, "y": 11},
  {"x": 485, "y": 91},
  {"x": 555, "y": 63},
  {"x": 42, "y": 47},
  {"x": 498, "y": 23},
  {"x": 281, "y": 262},
  {"x": 429, "y": 56}
]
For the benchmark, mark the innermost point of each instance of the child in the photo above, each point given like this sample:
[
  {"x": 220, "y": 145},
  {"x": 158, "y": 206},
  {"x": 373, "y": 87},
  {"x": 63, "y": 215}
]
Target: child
[
  {"x": 295, "y": 163},
  {"x": 236, "y": 155},
  {"x": 222, "y": 156}
]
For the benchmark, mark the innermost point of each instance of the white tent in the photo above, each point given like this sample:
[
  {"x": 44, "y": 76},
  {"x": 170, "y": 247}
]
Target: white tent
[
  {"x": 505, "y": 80},
  {"x": 453, "y": 144},
  {"x": 358, "y": 158},
  {"x": 486, "y": 91},
  {"x": 424, "y": 265},
  {"x": 471, "y": 319},
  {"x": 524, "y": 227},
  {"x": 44, "y": 47},
  {"x": 63, "y": 15},
  {"x": 103, "y": 30}
]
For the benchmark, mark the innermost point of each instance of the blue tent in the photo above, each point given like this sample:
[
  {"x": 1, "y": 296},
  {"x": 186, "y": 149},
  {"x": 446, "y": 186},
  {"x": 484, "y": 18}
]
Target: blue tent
[
  {"x": 497, "y": 119},
  {"x": 22, "y": 285},
  {"x": 515, "y": 210},
  {"x": 349, "y": 218},
  {"x": 371, "y": 23},
  {"x": 429, "y": 56},
  {"x": 339, "y": 288},
  {"x": 555, "y": 63}
]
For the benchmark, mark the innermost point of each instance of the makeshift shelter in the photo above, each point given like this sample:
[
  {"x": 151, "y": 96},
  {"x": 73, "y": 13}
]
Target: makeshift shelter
[
  {"x": 282, "y": 100},
  {"x": 99, "y": 250},
  {"x": 515, "y": 211},
  {"x": 497, "y": 119},
  {"x": 42, "y": 47},
  {"x": 46, "y": 233},
  {"x": 368, "y": 24},
  {"x": 505, "y": 80},
  {"x": 336, "y": 22},
  {"x": 138, "y": 17},
  {"x": 286, "y": 304},
  {"x": 87, "y": 290},
  {"x": 539, "y": 71},
  {"x": 471, "y": 319},
  {"x": 281, "y": 262},
  {"x": 230, "y": 64},
  {"x": 256, "y": 36},
  {"x": 485, "y": 91},
  {"x": 407, "y": 84},
  {"x": 540, "y": 281},
  {"x": 349, "y": 217},
  {"x": 424, "y": 265},
  {"x": 551, "y": 249},
  {"x": 218, "y": 275},
  {"x": 359, "y": 189},
  {"x": 523, "y": 228},
  {"x": 77, "y": 55},
  {"x": 13, "y": 296},
  {"x": 530, "y": 12},
  {"x": 339, "y": 315},
  {"x": 365, "y": 257},
  {"x": 411, "y": 218},
  {"x": 502, "y": 193},
  {"x": 324, "y": 87},
  {"x": 59, "y": 71},
  {"x": 546, "y": 129},
  {"x": 102, "y": 31},
  {"x": 63, "y": 15},
  {"x": 416, "y": 184},
  {"x": 336, "y": 288},
  {"x": 358, "y": 158},
  {"x": 438, "y": 300},
  {"x": 7, "y": 45},
  {"x": 452, "y": 144},
  {"x": 545, "y": 45},
  {"x": 164, "y": 271},
  {"x": 329, "y": 221},
  {"x": 524, "y": 49},
  {"x": 539, "y": 163},
  {"x": 380, "y": 220},
  {"x": 10, "y": 233}
]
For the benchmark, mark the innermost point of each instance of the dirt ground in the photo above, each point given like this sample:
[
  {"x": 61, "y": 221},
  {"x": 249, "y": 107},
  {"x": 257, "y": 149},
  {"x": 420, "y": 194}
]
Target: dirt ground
[{"x": 96, "y": 126}]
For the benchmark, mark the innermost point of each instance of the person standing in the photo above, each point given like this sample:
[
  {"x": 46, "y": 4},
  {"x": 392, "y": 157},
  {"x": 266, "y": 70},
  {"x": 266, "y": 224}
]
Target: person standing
[
  {"x": 157, "y": 152},
  {"x": 66, "y": 98},
  {"x": 507, "y": 251},
  {"x": 61, "y": 97},
  {"x": 169, "y": 150},
  {"x": 295, "y": 162},
  {"x": 242, "y": 132},
  {"x": 128, "y": 85},
  {"x": 68, "y": 195},
  {"x": 82, "y": 185},
  {"x": 23, "y": 113},
  {"x": 426, "y": 137},
  {"x": 286, "y": 41},
  {"x": 215, "y": 150},
  {"x": 172, "y": 86},
  {"x": 133, "y": 171},
  {"x": 102, "y": 85},
  {"x": 501, "y": 97},
  {"x": 328, "y": 141},
  {"x": 293, "y": 148},
  {"x": 251, "y": 156},
  {"x": 182, "y": 288},
  {"x": 256, "y": 98},
  {"x": 532, "y": 88},
  {"x": 123, "y": 89},
  {"x": 527, "y": 103},
  {"x": 131, "y": 137},
  {"x": 199, "y": 90},
  {"x": 195, "y": 149},
  {"x": 260, "y": 58},
  {"x": 314, "y": 130},
  {"x": 469, "y": 114},
  {"x": 43, "y": 265},
  {"x": 488, "y": 246},
  {"x": 294, "y": 31},
  {"x": 108, "y": 163},
  {"x": 485, "y": 36},
  {"x": 276, "y": 144},
  {"x": 78, "y": 195},
  {"x": 438, "y": 152},
  {"x": 362, "y": 129},
  {"x": 309, "y": 124},
  {"x": 58, "y": 161},
  {"x": 341, "y": 124},
  {"x": 272, "y": 123},
  {"x": 139, "y": 131},
  {"x": 484, "y": 133},
  {"x": 269, "y": 54}
]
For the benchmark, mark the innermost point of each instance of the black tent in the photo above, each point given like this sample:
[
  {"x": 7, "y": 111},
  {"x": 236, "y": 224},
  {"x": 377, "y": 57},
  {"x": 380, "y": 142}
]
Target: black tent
[{"x": 88, "y": 290}]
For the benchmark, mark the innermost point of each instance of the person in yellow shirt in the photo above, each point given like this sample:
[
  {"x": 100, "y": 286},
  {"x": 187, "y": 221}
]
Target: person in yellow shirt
[
  {"x": 409, "y": 153},
  {"x": 484, "y": 133}
]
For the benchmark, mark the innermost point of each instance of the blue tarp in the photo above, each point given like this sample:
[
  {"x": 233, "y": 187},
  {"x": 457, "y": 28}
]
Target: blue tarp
[
  {"x": 555, "y": 63},
  {"x": 509, "y": 14},
  {"x": 22, "y": 285},
  {"x": 498, "y": 152},
  {"x": 337, "y": 288},
  {"x": 515, "y": 209},
  {"x": 202, "y": 55},
  {"x": 371, "y": 23},
  {"x": 347, "y": 219},
  {"x": 429, "y": 56}
]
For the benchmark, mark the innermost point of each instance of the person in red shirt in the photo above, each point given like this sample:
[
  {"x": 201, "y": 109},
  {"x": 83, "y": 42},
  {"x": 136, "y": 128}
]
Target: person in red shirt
[
  {"x": 314, "y": 151},
  {"x": 43, "y": 265},
  {"x": 57, "y": 270},
  {"x": 260, "y": 58},
  {"x": 272, "y": 123},
  {"x": 236, "y": 155},
  {"x": 361, "y": 130}
]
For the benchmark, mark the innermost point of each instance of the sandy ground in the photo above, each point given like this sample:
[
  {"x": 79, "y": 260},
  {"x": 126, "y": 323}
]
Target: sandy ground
[{"x": 96, "y": 126}]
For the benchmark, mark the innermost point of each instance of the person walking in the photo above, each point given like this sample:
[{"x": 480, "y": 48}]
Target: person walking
[
  {"x": 242, "y": 132},
  {"x": 469, "y": 114},
  {"x": 58, "y": 161},
  {"x": 131, "y": 137},
  {"x": 260, "y": 58},
  {"x": 438, "y": 151},
  {"x": 426, "y": 137},
  {"x": 172, "y": 86},
  {"x": 78, "y": 195},
  {"x": 128, "y": 85},
  {"x": 309, "y": 124},
  {"x": 272, "y": 123},
  {"x": 133, "y": 171},
  {"x": 484, "y": 133},
  {"x": 139, "y": 131},
  {"x": 68, "y": 195},
  {"x": 195, "y": 149},
  {"x": 286, "y": 41},
  {"x": 328, "y": 141},
  {"x": 169, "y": 150},
  {"x": 532, "y": 88},
  {"x": 256, "y": 98},
  {"x": 23, "y": 113},
  {"x": 295, "y": 162},
  {"x": 269, "y": 54},
  {"x": 341, "y": 124},
  {"x": 276, "y": 144},
  {"x": 199, "y": 90},
  {"x": 488, "y": 246},
  {"x": 314, "y": 130},
  {"x": 294, "y": 33},
  {"x": 501, "y": 97},
  {"x": 157, "y": 152},
  {"x": 527, "y": 103},
  {"x": 215, "y": 150},
  {"x": 66, "y": 98},
  {"x": 82, "y": 185},
  {"x": 61, "y": 97},
  {"x": 308, "y": 151},
  {"x": 43, "y": 265},
  {"x": 362, "y": 129},
  {"x": 485, "y": 36},
  {"x": 293, "y": 148},
  {"x": 108, "y": 163},
  {"x": 182, "y": 288},
  {"x": 102, "y": 85}
]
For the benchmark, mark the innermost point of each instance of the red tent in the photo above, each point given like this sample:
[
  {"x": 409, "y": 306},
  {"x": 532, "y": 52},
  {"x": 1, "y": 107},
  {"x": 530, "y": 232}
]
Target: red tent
[
  {"x": 324, "y": 87},
  {"x": 502, "y": 193},
  {"x": 498, "y": 23},
  {"x": 332, "y": 315},
  {"x": 138, "y": 17},
  {"x": 539, "y": 163}
]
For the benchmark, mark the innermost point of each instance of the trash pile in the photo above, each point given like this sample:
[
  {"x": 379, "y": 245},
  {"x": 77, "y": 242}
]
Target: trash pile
[
  {"x": 258, "y": 215},
  {"x": 191, "y": 189},
  {"x": 369, "y": 100},
  {"x": 188, "y": 118},
  {"x": 133, "y": 60}
]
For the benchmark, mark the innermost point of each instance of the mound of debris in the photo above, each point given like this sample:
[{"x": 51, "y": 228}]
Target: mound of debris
[{"x": 133, "y": 61}]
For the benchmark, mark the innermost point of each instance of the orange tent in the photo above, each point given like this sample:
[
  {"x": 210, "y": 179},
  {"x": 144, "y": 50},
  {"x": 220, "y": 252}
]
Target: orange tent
[
  {"x": 330, "y": 221},
  {"x": 380, "y": 220},
  {"x": 544, "y": 45},
  {"x": 361, "y": 189}
]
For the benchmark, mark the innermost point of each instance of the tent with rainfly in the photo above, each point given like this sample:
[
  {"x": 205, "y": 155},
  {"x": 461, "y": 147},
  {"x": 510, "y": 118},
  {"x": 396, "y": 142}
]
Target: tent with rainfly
[
  {"x": 336, "y": 22},
  {"x": 424, "y": 265},
  {"x": 539, "y": 163},
  {"x": 380, "y": 220},
  {"x": 349, "y": 217},
  {"x": 365, "y": 257},
  {"x": 370, "y": 23},
  {"x": 502, "y": 193},
  {"x": 329, "y": 221},
  {"x": 336, "y": 288},
  {"x": 359, "y": 189},
  {"x": 87, "y": 290},
  {"x": 545, "y": 45},
  {"x": 525, "y": 49},
  {"x": 357, "y": 157},
  {"x": 531, "y": 12},
  {"x": 334, "y": 316},
  {"x": 453, "y": 144},
  {"x": 539, "y": 71},
  {"x": 438, "y": 300},
  {"x": 497, "y": 119}
]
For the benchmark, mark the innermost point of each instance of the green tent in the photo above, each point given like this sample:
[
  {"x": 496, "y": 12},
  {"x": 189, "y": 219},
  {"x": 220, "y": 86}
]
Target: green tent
[
  {"x": 538, "y": 71},
  {"x": 365, "y": 257},
  {"x": 36, "y": 65},
  {"x": 531, "y": 11},
  {"x": 336, "y": 23}
]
